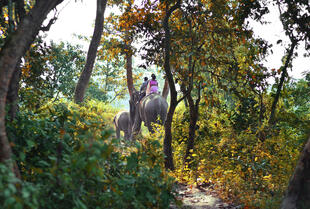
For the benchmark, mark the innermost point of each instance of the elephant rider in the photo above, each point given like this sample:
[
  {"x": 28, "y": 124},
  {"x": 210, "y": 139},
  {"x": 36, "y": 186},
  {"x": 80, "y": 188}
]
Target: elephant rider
[
  {"x": 152, "y": 86},
  {"x": 143, "y": 88}
]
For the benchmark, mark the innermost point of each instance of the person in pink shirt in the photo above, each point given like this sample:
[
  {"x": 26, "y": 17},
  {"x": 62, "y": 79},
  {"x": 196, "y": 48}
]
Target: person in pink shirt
[{"x": 152, "y": 86}]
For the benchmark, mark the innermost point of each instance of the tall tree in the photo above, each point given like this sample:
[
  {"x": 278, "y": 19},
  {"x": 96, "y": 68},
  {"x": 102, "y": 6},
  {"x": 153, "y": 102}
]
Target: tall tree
[
  {"x": 16, "y": 13},
  {"x": 91, "y": 55},
  {"x": 294, "y": 16},
  {"x": 50, "y": 71},
  {"x": 284, "y": 75},
  {"x": 128, "y": 51},
  {"x": 121, "y": 33},
  {"x": 10, "y": 55},
  {"x": 173, "y": 92}
]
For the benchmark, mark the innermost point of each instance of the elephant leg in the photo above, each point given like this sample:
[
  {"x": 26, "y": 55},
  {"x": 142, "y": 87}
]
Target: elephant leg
[
  {"x": 118, "y": 133},
  {"x": 136, "y": 127},
  {"x": 126, "y": 135}
]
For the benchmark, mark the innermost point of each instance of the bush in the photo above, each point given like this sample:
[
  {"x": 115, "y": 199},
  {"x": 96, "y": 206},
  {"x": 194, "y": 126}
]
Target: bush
[
  {"x": 69, "y": 159},
  {"x": 236, "y": 163}
]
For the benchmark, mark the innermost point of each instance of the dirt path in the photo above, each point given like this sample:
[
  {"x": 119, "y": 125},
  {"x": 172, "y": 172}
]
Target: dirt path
[{"x": 200, "y": 198}]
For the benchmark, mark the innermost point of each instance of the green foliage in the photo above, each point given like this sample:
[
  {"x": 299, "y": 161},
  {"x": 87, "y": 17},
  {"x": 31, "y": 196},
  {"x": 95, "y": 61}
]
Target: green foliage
[
  {"x": 245, "y": 114},
  {"x": 50, "y": 71},
  {"x": 108, "y": 79},
  {"x": 68, "y": 158},
  {"x": 16, "y": 193}
]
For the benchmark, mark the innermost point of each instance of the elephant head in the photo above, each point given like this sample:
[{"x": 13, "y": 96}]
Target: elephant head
[
  {"x": 151, "y": 109},
  {"x": 122, "y": 123}
]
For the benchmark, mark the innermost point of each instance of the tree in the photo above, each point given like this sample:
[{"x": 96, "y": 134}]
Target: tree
[
  {"x": 50, "y": 71},
  {"x": 7, "y": 28},
  {"x": 213, "y": 31},
  {"x": 12, "y": 95},
  {"x": 173, "y": 93},
  {"x": 165, "y": 89},
  {"x": 294, "y": 17},
  {"x": 121, "y": 35},
  {"x": 284, "y": 74},
  {"x": 91, "y": 55},
  {"x": 11, "y": 53},
  {"x": 108, "y": 81},
  {"x": 210, "y": 50}
]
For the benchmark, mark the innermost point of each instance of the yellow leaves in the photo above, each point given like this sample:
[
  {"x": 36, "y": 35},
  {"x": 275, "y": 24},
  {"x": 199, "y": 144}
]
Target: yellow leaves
[
  {"x": 238, "y": 165},
  {"x": 267, "y": 178},
  {"x": 5, "y": 15},
  {"x": 26, "y": 70},
  {"x": 223, "y": 142}
]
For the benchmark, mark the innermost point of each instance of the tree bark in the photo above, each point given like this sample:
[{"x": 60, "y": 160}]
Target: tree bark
[
  {"x": 12, "y": 95},
  {"x": 298, "y": 191},
  {"x": 166, "y": 89},
  {"x": 129, "y": 72},
  {"x": 11, "y": 53},
  {"x": 173, "y": 93},
  {"x": 283, "y": 76},
  {"x": 194, "y": 113},
  {"x": 128, "y": 53},
  {"x": 168, "y": 136},
  {"x": 91, "y": 55}
]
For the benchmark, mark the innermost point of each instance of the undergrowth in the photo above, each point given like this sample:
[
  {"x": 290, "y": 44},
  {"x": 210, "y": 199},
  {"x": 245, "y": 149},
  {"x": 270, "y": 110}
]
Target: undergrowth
[
  {"x": 240, "y": 166},
  {"x": 68, "y": 158}
]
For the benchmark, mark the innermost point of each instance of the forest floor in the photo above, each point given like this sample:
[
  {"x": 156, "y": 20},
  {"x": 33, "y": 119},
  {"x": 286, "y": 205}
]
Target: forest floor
[{"x": 202, "y": 197}]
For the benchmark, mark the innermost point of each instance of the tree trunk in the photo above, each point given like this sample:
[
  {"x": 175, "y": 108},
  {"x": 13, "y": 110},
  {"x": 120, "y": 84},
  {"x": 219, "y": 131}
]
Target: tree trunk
[
  {"x": 283, "y": 76},
  {"x": 12, "y": 95},
  {"x": 11, "y": 53},
  {"x": 173, "y": 93},
  {"x": 166, "y": 89},
  {"x": 298, "y": 191},
  {"x": 168, "y": 135},
  {"x": 91, "y": 55},
  {"x": 129, "y": 72},
  {"x": 193, "y": 111}
]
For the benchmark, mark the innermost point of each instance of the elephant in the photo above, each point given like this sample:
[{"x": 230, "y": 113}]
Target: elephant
[
  {"x": 151, "y": 108},
  {"x": 122, "y": 123}
]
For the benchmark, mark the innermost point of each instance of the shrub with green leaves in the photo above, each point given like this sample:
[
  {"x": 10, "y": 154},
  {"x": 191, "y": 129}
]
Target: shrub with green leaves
[{"x": 68, "y": 158}]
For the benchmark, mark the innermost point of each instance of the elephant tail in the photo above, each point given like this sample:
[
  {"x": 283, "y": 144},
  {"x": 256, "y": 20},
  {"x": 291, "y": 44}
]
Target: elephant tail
[
  {"x": 161, "y": 112},
  {"x": 114, "y": 120}
]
